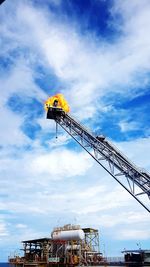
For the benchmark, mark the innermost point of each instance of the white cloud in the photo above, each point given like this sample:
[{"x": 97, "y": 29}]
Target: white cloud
[
  {"x": 94, "y": 68},
  {"x": 91, "y": 67},
  {"x": 89, "y": 191},
  {"x": 138, "y": 151},
  {"x": 128, "y": 126},
  {"x": 20, "y": 81},
  {"x": 3, "y": 230},
  {"x": 60, "y": 163},
  {"x": 21, "y": 226},
  {"x": 131, "y": 234},
  {"x": 10, "y": 133}
]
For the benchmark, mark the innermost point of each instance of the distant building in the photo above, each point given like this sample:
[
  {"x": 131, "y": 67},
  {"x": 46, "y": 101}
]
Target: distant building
[{"x": 141, "y": 256}]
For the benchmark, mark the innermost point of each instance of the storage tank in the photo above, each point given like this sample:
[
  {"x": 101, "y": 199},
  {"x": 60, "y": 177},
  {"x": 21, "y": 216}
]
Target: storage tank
[{"x": 68, "y": 235}]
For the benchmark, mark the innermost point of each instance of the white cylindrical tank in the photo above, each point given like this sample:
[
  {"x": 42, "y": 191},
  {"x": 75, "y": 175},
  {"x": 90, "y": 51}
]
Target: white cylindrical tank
[{"x": 68, "y": 235}]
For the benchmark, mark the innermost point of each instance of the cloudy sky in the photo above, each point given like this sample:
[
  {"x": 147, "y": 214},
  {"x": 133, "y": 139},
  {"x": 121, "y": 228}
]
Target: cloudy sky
[{"x": 97, "y": 53}]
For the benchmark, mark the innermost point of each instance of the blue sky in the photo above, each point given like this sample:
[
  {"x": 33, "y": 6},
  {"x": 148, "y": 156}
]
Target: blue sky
[{"x": 97, "y": 54}]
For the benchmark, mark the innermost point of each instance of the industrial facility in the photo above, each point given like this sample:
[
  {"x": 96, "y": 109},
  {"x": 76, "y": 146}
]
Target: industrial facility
[
  {"x": 69, "y": 245},
  {"x": 72, "y": 246}
]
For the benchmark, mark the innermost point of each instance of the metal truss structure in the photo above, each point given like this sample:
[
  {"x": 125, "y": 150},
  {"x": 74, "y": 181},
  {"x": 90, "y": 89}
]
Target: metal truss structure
[
  {"x": 92, "y": 238},
  {"x": 133, "y": 179}
]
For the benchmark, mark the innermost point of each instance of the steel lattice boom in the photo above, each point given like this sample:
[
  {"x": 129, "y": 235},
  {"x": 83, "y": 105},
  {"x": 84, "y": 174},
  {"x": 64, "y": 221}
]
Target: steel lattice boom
[{"x": 134, "y": 180}]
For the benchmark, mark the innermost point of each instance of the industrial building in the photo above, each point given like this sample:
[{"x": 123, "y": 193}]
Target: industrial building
[{"x": 69, "y": 245}]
